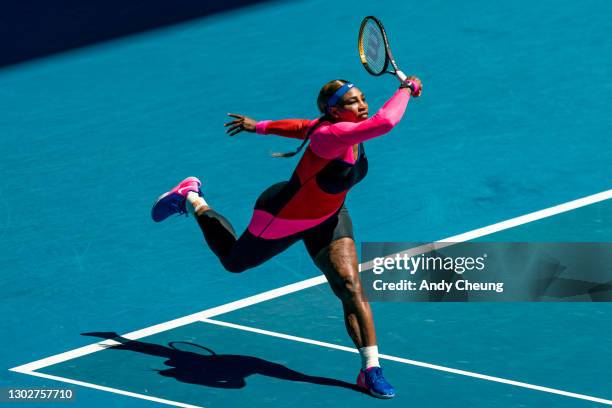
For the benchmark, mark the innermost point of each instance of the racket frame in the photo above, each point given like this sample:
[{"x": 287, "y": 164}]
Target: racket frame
[{"x": 388, "y": 54}]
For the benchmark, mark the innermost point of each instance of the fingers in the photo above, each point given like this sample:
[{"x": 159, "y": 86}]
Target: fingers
[
  {"x": 234, "y": 122},
  {"x": 419, "y": 83},
  {"x": 231, "y": 129},
  {"x": 417, "y": 80},
  {"x": 239, "y": 124},
  {"x": 236, "y": 126},
  {"x": 240, "y": 119},
  {"x": 234, "y": 131}
]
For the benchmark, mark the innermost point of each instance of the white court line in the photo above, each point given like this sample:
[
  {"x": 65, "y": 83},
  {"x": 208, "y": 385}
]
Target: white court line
[
  {"x": 500, "y": 226},
  {"x": 413, "y": 362},
  {"x": 113, "y": 390},
  {"x": 29, "y": 368},
  {"x": 172, "y": 324}
]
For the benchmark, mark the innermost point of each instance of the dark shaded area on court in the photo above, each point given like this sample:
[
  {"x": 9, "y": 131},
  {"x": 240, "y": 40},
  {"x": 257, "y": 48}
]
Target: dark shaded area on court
[
  {"x": 204, "y": 366},
  {"x": 34, "y": 28}
]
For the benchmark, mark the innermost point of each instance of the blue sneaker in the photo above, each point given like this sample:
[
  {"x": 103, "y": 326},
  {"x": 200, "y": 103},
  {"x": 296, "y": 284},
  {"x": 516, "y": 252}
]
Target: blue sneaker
[
  {"x": 173, "y": 201},
  {"x": 374, "y": 382}
]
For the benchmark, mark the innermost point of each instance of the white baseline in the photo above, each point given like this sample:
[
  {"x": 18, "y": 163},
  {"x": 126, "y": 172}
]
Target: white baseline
[
  {"x": 412, "y": 362},
  {"x": 30, "y": 368}
]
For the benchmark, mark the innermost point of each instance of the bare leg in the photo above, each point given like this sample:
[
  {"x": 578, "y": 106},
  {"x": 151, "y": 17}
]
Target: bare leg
[{"x": 339, "y": 264}]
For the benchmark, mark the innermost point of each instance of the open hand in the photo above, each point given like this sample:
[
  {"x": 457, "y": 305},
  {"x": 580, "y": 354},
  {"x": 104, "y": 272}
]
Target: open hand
[{"x": 239, "y": 124}]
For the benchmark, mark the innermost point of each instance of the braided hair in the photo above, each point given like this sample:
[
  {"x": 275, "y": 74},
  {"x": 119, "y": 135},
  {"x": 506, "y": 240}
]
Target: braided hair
[{"x": 326, "y": 92}]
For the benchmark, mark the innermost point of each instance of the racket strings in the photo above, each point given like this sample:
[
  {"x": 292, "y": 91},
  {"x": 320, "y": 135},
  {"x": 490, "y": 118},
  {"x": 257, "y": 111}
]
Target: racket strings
[{"x": 373, "y": 46}]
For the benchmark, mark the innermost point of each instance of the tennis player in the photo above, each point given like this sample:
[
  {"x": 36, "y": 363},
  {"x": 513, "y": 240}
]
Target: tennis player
[{"x": 309, "y": 207}]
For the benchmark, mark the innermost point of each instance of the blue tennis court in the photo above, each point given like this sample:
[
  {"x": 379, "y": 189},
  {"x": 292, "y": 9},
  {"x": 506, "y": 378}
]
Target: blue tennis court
[
  {"x": 509, "y": 142},
  {"x": 264, "y": 349}
]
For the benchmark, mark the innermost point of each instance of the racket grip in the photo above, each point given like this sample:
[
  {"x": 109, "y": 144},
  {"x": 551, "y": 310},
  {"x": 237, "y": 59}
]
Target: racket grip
[
  {"x": 401, "y": 76},
  {"x": 415, "y": 88}
]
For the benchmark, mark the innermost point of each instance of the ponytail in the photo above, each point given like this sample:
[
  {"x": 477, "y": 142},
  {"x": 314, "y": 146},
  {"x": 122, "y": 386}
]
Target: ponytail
[
  {"x": 286, "y": 155},
  {"x": 326, "y": 95}
]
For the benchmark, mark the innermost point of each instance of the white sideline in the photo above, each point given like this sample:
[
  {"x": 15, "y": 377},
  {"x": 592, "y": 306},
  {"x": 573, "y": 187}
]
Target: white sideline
[
  {"x": 500, "y": 226},
  {"x": 413, "y": 362},
  {"x": 30, "y": 368},
  {"x": 169, "y": 325},
  {"x": 113, "y": 390}
]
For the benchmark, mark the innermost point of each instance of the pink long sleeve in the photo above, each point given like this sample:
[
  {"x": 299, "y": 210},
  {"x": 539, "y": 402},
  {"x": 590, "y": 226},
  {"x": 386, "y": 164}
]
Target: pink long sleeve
[{"x": 330, "y": 141}]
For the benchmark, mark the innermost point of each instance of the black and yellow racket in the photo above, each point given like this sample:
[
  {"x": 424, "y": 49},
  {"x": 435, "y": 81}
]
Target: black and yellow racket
[{"x": 374, "y": 50}]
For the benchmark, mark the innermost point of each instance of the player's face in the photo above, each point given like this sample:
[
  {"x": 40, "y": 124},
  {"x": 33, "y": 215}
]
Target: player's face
[{"x": 352, "y": 107}]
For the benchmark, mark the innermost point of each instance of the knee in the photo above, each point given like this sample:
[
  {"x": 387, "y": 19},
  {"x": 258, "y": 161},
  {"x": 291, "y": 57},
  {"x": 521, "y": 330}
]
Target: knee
[
  {"x": 349, "y": 288},
  {"x": 346, "y": 286},
  {"x": 339, "y": 264}
]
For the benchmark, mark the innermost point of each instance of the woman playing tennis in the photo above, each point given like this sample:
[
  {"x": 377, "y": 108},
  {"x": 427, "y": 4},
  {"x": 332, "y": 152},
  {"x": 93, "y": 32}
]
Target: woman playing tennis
[{"x": 309, "y": 207}]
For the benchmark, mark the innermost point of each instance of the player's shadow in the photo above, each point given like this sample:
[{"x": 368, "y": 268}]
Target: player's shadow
[{"x": 212, "y": 369}]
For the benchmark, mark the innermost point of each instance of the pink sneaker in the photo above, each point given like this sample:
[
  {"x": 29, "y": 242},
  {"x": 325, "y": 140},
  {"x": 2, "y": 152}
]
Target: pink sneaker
[
  {"x": 173, "y": 201},
  {"x": 373, "y": 381}
]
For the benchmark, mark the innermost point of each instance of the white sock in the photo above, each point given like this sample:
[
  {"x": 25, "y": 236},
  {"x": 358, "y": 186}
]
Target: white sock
[
  {"x": 369, "y": 357},
  {"x": 196, "y": 202}
]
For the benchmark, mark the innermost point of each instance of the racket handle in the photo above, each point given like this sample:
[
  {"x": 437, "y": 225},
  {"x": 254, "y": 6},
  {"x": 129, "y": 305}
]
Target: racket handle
[{"x": 401, "y": 76}]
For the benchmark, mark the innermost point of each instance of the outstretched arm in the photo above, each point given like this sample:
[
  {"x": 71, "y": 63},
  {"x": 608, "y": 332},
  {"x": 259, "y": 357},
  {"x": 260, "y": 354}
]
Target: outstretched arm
[
  {"x": 350, "y": 133},
  {"x": 294, "y": 128},
  {"x": 332, "y": 140}
]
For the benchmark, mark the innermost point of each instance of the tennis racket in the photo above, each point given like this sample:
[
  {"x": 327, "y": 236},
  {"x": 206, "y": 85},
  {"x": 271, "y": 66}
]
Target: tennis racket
[{"x": 374, "y": 50}]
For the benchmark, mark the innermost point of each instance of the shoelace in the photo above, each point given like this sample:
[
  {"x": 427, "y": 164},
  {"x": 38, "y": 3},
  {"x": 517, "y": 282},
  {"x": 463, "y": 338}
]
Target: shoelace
[
  {"x": 376, "y": 376},
  {"x": 179, "y": 208}
]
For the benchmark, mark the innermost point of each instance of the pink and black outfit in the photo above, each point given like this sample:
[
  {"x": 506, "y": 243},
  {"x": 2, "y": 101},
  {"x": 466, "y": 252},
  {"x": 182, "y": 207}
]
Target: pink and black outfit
[{"x": 310, "y": 205}]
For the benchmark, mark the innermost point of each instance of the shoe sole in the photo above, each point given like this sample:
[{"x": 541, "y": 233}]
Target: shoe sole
[
  {"x": 159, "y": 200},
  {"x": 375, "y": 394},
  {"x": 168, "y": 193},
  {"x": 381, "y": 396}
]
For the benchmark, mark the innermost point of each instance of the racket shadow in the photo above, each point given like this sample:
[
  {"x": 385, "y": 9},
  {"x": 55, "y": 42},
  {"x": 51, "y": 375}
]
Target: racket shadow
[{"x": 215, "y": 370}]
